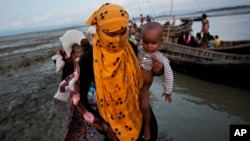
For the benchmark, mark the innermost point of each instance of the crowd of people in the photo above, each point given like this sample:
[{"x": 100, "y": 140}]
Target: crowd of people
[
  {"x": 198, "y": 41},
  {"x": 202, "y": 39},
  {"x": 118, "y": 71}
]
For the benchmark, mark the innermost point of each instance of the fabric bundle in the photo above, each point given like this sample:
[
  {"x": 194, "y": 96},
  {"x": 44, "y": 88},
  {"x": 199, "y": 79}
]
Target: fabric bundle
[
  {"x": 70, "y": 38},
  {"x": 59, "y": 62}
]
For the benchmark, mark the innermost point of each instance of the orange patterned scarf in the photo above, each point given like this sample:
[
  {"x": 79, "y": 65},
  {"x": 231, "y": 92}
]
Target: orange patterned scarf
[{"x": 117, "y": 73}]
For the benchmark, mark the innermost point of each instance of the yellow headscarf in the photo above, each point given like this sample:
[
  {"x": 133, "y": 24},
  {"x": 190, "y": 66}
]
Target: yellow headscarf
[{"x": 117, "y": 73}]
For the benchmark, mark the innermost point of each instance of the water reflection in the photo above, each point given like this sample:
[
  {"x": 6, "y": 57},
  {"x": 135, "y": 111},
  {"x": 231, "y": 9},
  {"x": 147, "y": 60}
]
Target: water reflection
[
  {"x": 219, "y": 97},
  {"x": 200, "y": 110}
]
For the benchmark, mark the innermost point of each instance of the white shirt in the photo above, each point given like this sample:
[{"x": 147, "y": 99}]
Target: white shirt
[{"x": 146, "y": 62}]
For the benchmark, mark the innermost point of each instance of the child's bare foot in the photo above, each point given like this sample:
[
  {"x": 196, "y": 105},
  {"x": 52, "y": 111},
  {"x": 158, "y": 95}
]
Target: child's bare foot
[{"x": 146, "y": 135}]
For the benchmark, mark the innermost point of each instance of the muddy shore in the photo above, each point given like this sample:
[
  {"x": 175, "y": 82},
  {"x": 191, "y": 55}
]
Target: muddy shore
[{"x": 28, "y": 84}]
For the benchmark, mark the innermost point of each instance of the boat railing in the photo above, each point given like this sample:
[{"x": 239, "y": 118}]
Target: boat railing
[
  {"x": 202, "y": 53},
  {"x": 246, "y": 45},
  {"x": 234, "y": 43}
]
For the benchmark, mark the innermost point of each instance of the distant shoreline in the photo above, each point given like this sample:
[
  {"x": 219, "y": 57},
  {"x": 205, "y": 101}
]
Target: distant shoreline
[
  {"x": 229, "y": 8},
  {"x": 245, "y": 9},
  {"x": 214, "y": 12}
]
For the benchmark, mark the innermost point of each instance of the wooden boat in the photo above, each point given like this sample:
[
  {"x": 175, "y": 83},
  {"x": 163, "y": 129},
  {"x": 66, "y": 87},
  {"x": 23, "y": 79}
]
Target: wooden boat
[
  {"x": 227, "y": 68},
  {"x": 193, "y": 18},
  {"x": 234, "y": 43},
  {"x": 237, "y": 47},
  {"x": 176, "y": 31}
]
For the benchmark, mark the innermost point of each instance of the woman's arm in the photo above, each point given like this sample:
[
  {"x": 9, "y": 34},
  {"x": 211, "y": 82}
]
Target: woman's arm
[
  {"x": 86, "y": 77},
  {"x": 158, "y": 67}
]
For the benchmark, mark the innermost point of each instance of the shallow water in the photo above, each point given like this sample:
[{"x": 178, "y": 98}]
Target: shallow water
[{"x": 200, "y": 111}]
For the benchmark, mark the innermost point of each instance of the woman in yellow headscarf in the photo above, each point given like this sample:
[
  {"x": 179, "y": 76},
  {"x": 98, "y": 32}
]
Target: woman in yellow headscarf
[{"x": 113, "y": 66}]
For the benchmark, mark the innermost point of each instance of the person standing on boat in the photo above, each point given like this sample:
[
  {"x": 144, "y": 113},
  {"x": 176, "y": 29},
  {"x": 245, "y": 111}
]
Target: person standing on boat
[
  {"x": 205, "y": 30},
  {"x": 142, "y": 19},
  {"x": 148, "y": 18}
]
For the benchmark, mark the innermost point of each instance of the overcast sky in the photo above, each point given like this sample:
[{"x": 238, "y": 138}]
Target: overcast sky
[{"x": 26, "y": 14}]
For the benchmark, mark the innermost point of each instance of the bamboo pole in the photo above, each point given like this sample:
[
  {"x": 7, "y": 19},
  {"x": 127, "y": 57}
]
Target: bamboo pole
[{"x": 171, "y": 8}]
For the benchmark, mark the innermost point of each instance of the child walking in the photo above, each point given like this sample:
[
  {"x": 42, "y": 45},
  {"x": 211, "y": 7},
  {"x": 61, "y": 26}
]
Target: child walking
[{"x": 81, "y": 123}]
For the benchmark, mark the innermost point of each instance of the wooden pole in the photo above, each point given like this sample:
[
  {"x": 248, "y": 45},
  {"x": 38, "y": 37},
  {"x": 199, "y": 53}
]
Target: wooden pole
[{"x": 171, "y": 8}]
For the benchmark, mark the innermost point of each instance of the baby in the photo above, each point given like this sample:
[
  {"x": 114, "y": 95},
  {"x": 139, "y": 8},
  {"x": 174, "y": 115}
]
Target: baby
[{"x": 151, "y": 35}]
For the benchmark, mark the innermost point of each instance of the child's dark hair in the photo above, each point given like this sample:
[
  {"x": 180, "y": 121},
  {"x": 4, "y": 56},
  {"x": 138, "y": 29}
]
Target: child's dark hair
[
  {"x": 152, "y": 25},
  {"x": 75, "y": 46},
  {"x": 198, "y": 35},
  {"x": 204, "y": 15}
]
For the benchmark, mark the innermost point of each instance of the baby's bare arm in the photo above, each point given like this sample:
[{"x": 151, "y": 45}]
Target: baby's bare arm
[{"x": 167, "y": 97}]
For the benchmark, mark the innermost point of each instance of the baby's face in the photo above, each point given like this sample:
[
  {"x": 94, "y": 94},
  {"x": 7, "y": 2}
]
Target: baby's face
[{"x": 151, "y": 41}]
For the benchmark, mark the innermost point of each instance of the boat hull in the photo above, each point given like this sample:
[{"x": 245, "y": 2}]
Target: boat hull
[
  {"x": 231, "y": 74},
  {"x": 231, "y": 69},
  {"x": 176, "y": 31},
  {"x": 237, "y": 47}
]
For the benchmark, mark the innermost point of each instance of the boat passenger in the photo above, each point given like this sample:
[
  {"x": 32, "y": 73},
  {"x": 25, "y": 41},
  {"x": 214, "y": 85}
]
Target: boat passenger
[
  {"x": 211, "y": 41},
  {"x": 217, "y": 41},
  {"x": 205, "y": 30},
  {"x": 181, "y": 39},
  {"x": 148, "y": 18},
  {"x": 198, "y": 39},
  {"x": 141, "y": 19}
]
